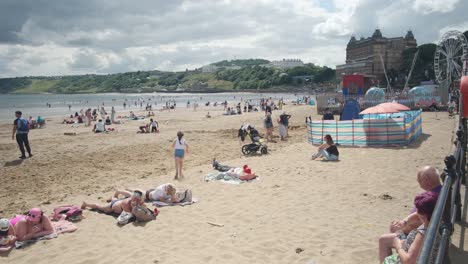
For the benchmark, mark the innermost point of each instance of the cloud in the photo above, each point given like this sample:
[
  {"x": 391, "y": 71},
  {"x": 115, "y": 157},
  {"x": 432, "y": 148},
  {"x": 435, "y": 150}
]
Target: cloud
[
  {"x": 433, "y": 6},
  {"x": 54, "y": 37}
]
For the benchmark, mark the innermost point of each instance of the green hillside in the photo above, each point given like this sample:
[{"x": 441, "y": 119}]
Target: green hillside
[{"x": 250, "y": 76}]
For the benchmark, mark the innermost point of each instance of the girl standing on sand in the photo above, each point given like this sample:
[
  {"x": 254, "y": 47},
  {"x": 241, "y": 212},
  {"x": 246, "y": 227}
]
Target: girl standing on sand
[{"x": 180, "y": 146}]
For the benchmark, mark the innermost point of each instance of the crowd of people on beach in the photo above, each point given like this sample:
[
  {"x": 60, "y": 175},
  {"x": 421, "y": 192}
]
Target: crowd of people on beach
[{"x": 401, "y": 245}]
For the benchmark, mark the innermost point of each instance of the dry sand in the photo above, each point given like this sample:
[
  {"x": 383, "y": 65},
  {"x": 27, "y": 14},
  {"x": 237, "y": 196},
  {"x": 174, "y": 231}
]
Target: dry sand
[{"x": 331, "y": 211}]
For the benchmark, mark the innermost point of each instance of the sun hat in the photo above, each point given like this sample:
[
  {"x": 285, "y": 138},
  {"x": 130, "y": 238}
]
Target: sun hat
[
  {"x": 34, "y": 214},
  {"x": 4, "y": 224}
]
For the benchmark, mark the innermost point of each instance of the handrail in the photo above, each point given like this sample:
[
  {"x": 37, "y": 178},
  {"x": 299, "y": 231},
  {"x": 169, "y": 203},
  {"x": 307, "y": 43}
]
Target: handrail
[{"x": 448, "y": 207}]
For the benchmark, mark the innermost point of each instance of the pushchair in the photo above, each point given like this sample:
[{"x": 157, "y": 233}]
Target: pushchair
[{"x": 257, "y": 144}]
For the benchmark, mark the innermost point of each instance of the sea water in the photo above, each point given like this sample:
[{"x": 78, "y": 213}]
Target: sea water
[{"x": 38, "y": 104}]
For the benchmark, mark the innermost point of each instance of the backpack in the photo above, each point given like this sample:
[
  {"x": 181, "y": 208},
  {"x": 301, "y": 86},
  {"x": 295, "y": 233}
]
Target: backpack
[
  {"x": 184, "y": 197},
  {"x": 143, "y": 214},
  {"x": 22, "y": 125},
  {"x": 70, "y": 212}
]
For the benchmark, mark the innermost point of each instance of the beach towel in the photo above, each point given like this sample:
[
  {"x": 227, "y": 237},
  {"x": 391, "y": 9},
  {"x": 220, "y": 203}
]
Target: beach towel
[
  {"x": 184, "y": 198},
  {"x": 161, "y": 204},
  {"x": 25, "y": 243},
  {"x": 63, "y": 226},
  {"x": 60, "y": 227},
  {"x": 225, "y": 177}
]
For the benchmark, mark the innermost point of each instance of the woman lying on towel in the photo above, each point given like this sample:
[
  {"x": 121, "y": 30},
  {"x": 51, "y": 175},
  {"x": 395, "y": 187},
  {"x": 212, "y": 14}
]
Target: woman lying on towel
[
  {"x": 244, "y": 173},
  {"x": 7, "y": 235},
  {"x": 164, "y": 193},
  {"x": 32, "y": 225}
]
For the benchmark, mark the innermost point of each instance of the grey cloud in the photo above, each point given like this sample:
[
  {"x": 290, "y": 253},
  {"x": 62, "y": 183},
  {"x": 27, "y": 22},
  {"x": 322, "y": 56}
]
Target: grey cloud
[{"x": 110, "y": 36}]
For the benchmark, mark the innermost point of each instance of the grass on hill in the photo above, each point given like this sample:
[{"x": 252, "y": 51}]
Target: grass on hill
[{"x": 37, "y": 86}]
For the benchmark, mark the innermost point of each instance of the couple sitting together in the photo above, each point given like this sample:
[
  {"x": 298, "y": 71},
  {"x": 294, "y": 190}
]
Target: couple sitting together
[{"x": 407, "y": 235}]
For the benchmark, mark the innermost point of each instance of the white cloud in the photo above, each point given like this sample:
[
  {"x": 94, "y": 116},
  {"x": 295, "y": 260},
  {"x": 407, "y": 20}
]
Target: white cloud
[{"x": 433, "y": 6}]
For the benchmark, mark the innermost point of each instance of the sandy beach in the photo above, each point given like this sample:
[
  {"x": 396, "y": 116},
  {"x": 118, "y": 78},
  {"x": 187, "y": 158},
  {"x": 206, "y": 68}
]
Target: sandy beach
[{"x": 298, "y": 211}]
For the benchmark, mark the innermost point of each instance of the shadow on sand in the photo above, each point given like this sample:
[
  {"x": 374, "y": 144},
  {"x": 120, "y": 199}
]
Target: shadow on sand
[{"x": 13, "y": 163}]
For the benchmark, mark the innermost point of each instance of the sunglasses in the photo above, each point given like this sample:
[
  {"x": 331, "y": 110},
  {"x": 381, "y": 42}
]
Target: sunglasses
[{"x": 32, "y": 216}]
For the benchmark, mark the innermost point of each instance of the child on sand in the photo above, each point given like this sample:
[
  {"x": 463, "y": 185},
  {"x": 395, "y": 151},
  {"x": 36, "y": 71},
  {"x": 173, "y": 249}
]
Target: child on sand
[
  {"x": 180, "y": 146},
  {"x": 7, "y": 235}
]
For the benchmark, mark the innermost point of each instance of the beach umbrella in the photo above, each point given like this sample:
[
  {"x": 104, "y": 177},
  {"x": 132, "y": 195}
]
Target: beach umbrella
[
  {"x": 394, "y": 105},
  {"x": 379, "y": 110},
  {"x": 385, "y": 108}
]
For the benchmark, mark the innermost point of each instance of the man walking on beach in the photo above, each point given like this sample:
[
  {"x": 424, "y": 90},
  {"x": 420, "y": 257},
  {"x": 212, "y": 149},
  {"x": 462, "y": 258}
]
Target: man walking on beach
[{"x": 21, "y": 129}]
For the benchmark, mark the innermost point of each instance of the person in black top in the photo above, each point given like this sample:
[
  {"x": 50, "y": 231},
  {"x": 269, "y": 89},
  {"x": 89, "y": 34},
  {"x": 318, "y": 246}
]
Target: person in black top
[
  {"x": 327, "y": 150},
  {"x": 283, "y": 127},
  {"x": 21, "y": 129},
  {"x": 267, "y": 109},
  {"x": 328, "y": 115}
]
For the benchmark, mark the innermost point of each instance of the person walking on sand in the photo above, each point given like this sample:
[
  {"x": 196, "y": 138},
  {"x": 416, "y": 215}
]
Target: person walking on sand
[
  {"x": 21, "y": 129},
  {"x": 268, "y": 124},
  {"x": 180, "y": 147}
]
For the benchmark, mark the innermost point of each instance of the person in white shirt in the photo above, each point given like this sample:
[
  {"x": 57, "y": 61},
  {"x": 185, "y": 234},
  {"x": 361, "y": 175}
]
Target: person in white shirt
[
  {"x": 153, "y": 125},
  {"x": 99, "y": 127},
  {"x": 180, "y": 146}
]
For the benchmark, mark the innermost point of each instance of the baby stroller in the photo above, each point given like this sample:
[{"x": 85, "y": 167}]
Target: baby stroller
[{"x": 257, "y": 144}]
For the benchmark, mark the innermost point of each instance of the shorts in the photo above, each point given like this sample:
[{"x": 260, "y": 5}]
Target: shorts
[{"x": 179, "y": 153}]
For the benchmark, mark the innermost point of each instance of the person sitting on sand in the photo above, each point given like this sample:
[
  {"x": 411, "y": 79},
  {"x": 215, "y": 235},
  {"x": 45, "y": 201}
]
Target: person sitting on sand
[
  {"x": 118, "y": 205},
  {"x": 143, "y": 129},
  {"x": 7, "y": 235},
  {"x": 208, "y": 115},
  {"x": 133, "y": 116},
  {"x": 153, "y": 125},
  {"x": 99, "y": 127},
  {"x": 34, "y": 224},
  {"x": 407, "y": 249},
  {"x": 327, "y": 150},
  {"x": 108, "y": 121},
  {"x": 428, "y": 179},
  {"x": 328, "y": 115}
]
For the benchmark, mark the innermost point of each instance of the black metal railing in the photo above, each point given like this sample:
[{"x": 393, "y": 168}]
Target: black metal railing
[{"x": 448, "y": 208}]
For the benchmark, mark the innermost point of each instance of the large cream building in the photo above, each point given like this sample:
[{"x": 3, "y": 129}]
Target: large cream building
[{"x": 364, "y": 55}]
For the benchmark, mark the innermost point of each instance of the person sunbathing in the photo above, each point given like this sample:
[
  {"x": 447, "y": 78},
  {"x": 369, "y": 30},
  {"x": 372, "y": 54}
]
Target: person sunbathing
[
  {"x": 34, "y": 224},
  {"x": 244, "y": 173},
  {"x": 118, "y": 205},
  {"x": 165, "y": 193},
  {"x": 7, "y": 235},
  {"x": 219, "y": 167},
  {"x": 428, "y": 179}
]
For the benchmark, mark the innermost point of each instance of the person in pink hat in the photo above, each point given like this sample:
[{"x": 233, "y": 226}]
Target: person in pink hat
[{"x": 32, "y": 225}]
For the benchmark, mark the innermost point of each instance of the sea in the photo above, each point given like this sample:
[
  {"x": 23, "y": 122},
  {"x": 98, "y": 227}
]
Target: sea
[{"x": 38, "y": 104}]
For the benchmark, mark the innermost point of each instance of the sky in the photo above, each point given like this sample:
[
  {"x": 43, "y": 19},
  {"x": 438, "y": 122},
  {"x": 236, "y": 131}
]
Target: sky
[{"x": 65, "y": 37}]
